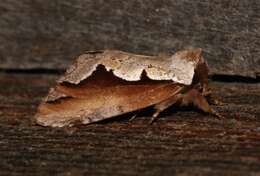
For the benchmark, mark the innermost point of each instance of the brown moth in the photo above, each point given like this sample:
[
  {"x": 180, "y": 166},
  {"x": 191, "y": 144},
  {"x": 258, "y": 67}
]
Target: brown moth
[{"x": 104, "y": 84}]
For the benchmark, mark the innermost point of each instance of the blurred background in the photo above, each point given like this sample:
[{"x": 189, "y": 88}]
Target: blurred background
[{"x": 49, "y": 34}]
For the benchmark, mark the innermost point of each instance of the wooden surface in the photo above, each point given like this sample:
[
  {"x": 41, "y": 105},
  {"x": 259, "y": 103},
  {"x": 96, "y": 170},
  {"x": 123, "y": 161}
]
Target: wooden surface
[
  {"x": 185, "y": 142},
  {"x": 49, "y": 34},
  {"x": 46, "y": 36}
]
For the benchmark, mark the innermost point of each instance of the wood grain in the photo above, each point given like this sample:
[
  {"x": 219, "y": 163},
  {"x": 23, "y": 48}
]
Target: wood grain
[
  {"x": 49, "y": 34},
  {"x": 182, "y": 143}
]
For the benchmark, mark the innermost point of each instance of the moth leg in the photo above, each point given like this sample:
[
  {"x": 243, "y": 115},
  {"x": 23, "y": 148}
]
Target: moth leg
[
  {"x": 134, "y": 116},
  {"x": 164, "y": 105},
  {"x": 197, "y": 99}
]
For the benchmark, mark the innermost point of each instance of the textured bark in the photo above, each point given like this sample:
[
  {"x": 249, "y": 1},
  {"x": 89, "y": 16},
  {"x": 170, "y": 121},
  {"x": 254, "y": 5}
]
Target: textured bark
[
  {"x": 49, "y": 34},
  {"x": 181, "y": 143}
]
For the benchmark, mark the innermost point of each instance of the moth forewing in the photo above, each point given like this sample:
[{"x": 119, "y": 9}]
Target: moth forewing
[{"x": 104, "y": 84}]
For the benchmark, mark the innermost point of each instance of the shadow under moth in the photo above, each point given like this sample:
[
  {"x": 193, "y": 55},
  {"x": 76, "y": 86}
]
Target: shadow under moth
[{"x": 104, "y": 84}]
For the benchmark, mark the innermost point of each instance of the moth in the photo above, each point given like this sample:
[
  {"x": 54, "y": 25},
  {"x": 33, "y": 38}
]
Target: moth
[{"x": 104, "y": 84}]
